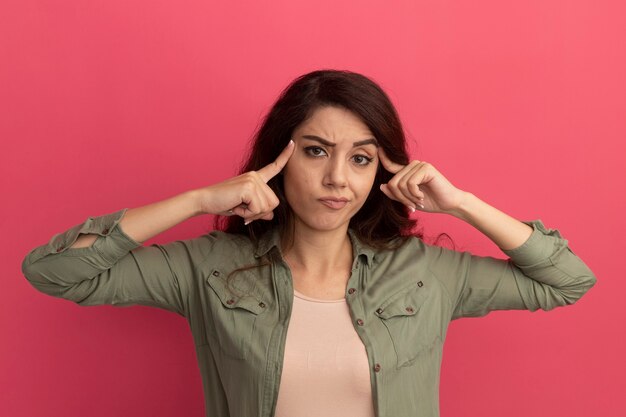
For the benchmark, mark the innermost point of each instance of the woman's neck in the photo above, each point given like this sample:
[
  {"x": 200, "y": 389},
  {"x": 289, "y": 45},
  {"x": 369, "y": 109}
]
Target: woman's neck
[{"x": 319, "y": 253}]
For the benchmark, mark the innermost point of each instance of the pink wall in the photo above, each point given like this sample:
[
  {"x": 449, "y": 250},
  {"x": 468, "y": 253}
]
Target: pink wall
[{"x": 106, "y": 105}]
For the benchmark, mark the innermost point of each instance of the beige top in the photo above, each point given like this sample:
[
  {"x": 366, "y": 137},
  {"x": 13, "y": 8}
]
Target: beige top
[{"x": 325, "y": 369}]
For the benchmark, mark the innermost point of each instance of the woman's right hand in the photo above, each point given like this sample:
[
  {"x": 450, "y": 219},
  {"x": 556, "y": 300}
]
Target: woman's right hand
[{"x": 246, "y": 195}]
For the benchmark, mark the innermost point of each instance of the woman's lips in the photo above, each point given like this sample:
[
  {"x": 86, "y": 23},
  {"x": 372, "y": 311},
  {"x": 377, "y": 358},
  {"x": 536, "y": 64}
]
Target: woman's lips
[{"x": 334, "y": 204}]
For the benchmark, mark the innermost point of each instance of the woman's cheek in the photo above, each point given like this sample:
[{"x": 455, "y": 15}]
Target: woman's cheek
[{"x": 364, "y": 183}]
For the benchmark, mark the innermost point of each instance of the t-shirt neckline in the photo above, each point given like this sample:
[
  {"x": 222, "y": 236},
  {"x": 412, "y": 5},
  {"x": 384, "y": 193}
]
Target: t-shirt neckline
[{"x": 315, "y": 300}]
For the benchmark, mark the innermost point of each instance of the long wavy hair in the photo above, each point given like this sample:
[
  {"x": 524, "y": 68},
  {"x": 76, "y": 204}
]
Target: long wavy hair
[{"x": 381, "y": 223}]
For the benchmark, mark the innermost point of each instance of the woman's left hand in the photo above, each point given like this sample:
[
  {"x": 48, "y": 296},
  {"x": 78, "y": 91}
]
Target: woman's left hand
[{"x": 419, "y": 185}]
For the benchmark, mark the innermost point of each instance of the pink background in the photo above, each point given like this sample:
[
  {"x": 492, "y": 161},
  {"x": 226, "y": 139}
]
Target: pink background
[{"x": 106, "y": 105}]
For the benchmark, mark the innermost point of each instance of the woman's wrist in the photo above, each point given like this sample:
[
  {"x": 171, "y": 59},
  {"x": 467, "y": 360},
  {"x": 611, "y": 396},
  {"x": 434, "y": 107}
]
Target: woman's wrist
[
  {"x": 465, "y": 208},
  {"x": 195, "y": 198}
]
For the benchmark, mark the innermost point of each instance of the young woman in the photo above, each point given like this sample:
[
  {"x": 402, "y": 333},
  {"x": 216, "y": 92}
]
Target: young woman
[{"x": 315, "y": 297}]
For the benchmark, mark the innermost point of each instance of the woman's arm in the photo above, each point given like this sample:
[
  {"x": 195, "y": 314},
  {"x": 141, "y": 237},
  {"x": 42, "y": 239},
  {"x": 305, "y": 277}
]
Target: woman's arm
[
  {"x": 143, "y": 223},
  {"x": 542, "y": 272},
  {"x": 419, "y": 184},
  {"x": 502, "y": 229},
  {"x": 116, "y": 269},
  {"x": 103, "y": 260}
]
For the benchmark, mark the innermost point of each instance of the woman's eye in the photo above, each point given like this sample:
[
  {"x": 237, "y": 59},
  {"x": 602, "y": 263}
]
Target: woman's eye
[
  {"x": 314, "y": 151},
  {"x": 362, "y": 160}
]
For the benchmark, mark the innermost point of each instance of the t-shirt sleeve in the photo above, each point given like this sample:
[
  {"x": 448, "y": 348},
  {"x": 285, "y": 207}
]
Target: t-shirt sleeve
[
  {"x": 116, "y": 269},
  {"x": 542, "y": 273}
]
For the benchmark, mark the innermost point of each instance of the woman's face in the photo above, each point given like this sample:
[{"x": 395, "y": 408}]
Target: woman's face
[{"x": 332, "y": 169}]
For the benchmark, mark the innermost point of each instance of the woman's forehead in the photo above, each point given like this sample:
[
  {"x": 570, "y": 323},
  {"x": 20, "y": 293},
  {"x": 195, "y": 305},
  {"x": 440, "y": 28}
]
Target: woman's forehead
[{"x": 335, "y": 125}]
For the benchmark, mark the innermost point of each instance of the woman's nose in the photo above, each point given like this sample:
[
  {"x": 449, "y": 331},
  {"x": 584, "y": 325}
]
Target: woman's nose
[{"x": 335, "y": 173}]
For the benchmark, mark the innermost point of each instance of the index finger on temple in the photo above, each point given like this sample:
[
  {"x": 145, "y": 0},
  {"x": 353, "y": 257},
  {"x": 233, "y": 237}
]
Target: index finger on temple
[
  {"x": 271, "y": 170},
  {"x": 388, "y": 164}
]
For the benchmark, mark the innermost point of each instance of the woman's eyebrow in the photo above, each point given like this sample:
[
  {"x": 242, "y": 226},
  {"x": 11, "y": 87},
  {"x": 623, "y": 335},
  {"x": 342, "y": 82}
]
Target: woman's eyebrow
[{"x": 329, "y": 143}]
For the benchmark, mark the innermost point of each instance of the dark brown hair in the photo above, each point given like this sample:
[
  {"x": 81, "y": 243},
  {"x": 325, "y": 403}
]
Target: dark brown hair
[{"x": 381, "y": 223}]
